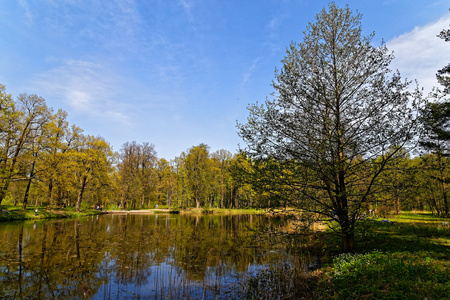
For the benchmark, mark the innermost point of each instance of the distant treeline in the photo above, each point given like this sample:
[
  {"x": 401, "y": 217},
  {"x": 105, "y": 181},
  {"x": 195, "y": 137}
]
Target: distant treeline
[{"x": 47, "y": 161}]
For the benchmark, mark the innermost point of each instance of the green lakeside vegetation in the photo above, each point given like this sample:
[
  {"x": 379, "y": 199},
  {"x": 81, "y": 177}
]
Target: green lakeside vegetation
[
  {"x": 17, "y": 213},
  {"x": 407, "y": 257}
]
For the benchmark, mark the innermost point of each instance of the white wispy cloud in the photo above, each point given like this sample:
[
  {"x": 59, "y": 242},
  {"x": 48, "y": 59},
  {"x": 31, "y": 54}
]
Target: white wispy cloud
[
  {"x": 187, "y": 6},
  {"x": 271, "y": 30},
  {"x": 420, "y": 53},
  {"x": 27, "y": 11},
  {"x": 249, "y": 72},
  {"x": 86, "y": 87}
]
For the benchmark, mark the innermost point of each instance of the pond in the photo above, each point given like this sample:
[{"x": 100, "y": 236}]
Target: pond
[{"x": 134, "y": 256}]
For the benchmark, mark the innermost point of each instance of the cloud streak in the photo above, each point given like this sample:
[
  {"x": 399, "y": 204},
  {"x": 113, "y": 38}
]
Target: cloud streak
[
  {"x": 249, "y": 72},
  {"x": 86, "y": 87}
]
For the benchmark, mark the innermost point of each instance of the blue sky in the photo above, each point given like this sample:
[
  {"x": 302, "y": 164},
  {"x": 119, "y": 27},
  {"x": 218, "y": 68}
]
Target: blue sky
[{"x": 177, "y": 73}]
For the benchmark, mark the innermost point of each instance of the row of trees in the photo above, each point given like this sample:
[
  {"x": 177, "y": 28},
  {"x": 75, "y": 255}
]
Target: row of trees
[
  {"x": 44, "y": 160},
  {"x": 47, "y": 161},
  {"x": 196, "y": 178},
  {"x": 41, "y": 155}
]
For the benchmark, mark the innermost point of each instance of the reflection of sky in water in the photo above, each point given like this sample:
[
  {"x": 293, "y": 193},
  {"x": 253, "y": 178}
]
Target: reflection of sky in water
[{"x": 167, "y": 281}]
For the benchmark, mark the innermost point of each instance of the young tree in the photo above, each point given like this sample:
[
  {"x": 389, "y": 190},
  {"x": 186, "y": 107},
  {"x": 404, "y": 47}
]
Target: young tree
[
  {"x": 197, "y": 168},
  {"x": 166, "y": 181},
  {"x": 223, "y": 158},
  {"x": 337, "y": 108}
]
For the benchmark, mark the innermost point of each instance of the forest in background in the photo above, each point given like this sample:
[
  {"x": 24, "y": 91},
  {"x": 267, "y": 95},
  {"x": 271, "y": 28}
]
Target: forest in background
[{"x": 45, "y": 161}]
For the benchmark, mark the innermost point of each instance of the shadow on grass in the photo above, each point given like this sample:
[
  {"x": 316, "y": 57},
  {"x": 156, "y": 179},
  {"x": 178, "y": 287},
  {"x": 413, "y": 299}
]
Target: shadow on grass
[
  {"x": 392, "y": 261},
  {"x": 388, "y": 237}
]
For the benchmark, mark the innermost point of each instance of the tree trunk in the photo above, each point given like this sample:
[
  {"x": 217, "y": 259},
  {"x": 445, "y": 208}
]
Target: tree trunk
[
  {"x": 50, "y": 191},
  {"x": 348, "y": 240},
  {"x": 80, "y": 192},
  {"x": 122, "y": 201},
  {"x": 197, "y": 200},
  {"x": 27, "y": 190},
  {"x": 223, "y": 192}
]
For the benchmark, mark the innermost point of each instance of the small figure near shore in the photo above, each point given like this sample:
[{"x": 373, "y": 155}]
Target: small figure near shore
[{"x": 35, "y": 212}]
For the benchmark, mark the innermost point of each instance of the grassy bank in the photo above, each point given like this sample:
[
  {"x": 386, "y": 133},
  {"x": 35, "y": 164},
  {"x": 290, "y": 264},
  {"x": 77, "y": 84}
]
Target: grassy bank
[
  {"x": 407, "y": 257},
  {"x": 14, "y": 213}
]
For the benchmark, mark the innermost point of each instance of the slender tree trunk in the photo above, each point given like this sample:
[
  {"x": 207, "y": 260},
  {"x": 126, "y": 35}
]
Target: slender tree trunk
[
  {"x": 223, "y": 192},
  {"x": 231, "y": 195},
  {"x": 27, "y": 190},
  {"x": 81, "y": 191},
  {"x": 122, "y": 201},
  {"x": 197, "y": 200},
  {"x": 50, "y": 190}
]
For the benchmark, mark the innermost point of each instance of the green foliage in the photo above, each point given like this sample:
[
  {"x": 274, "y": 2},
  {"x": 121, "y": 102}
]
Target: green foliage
[{"x": 376, "y": 275}]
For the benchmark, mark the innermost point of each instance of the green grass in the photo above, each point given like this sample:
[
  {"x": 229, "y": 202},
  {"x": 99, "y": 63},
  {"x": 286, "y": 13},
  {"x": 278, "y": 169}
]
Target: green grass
[
  {"x": 379, "y": 275},
  {"x": 13, "y": 213},
  {"x": 406, "y": 259}
]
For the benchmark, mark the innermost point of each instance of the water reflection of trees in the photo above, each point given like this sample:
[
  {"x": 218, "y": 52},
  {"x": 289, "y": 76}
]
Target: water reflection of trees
[{"x": 75, "y": 258}]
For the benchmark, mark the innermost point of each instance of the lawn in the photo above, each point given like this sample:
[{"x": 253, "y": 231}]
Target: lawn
[{"x": 13, "y": 213}]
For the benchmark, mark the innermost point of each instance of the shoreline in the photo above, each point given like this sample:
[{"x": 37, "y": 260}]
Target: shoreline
[{"x": 16, "y": 213}]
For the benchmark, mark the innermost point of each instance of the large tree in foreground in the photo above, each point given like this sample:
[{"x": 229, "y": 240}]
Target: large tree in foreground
[{"x": 338, "y": 117}]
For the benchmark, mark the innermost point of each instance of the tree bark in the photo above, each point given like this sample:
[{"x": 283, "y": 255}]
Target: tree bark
[
  {"x": 348, "y": 240},
  {"x": 80, "y": 192},
  {"x": 27, "y": 190},
  {"x": 50, "y": 191}
]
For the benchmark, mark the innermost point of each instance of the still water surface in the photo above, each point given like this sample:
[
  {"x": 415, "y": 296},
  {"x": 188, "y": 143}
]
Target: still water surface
[{"x": 133, "y": 256}]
